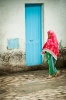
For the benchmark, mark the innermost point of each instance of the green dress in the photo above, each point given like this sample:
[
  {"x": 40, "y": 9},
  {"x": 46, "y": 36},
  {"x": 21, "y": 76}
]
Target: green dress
[{"x": 51, "y": 63}]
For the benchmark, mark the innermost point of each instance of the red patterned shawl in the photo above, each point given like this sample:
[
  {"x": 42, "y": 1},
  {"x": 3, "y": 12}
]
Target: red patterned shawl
[{"x": 51, "y": 45}]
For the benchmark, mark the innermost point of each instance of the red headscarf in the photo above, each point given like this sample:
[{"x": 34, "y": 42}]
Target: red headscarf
[{"x": 51, "y": 45}]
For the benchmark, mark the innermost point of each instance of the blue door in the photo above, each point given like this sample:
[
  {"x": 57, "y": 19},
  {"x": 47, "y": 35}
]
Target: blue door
[{"x": 33, "y": 22}]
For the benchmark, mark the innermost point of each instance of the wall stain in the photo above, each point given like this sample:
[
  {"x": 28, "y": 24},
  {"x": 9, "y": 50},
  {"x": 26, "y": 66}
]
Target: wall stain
[
  {"x": 7, "y": 56},
  {"x": 15, "y": 61}
]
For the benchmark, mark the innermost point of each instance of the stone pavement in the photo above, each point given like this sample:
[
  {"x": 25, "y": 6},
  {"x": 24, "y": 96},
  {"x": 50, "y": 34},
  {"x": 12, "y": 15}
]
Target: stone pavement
[{"x": 33, "y": 85}]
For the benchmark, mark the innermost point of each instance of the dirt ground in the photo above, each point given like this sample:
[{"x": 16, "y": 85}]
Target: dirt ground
[{"x": 33, "y": 85}]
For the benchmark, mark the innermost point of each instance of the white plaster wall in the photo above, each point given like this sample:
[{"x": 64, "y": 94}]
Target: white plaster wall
[
  {"x": 12, "y": 23},
  {"x": 12, "y": 20},
  {"x": 55, "y": 18}
]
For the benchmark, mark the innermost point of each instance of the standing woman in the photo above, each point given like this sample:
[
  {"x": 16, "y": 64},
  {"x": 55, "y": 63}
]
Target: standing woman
[{"x": 51, "y": 49}]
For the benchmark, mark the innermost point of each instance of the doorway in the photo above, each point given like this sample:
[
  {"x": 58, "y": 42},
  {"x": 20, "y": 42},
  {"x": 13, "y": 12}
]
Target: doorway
[{"x": 33, "y": 25}]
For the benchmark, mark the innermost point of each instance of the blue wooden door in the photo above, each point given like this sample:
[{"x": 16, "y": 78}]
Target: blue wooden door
[{"x": 33, "y": 19}]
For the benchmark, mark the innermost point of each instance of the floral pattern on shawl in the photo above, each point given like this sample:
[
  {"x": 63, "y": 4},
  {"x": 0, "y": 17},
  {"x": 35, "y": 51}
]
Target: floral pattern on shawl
[{"x": 51, "y": 45}]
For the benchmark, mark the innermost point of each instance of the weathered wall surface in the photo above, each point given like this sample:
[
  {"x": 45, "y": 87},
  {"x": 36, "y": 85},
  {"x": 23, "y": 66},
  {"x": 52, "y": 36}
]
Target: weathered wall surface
[
  {"x": 61, "y": 62},
  {"x": 12, "y": 25}
]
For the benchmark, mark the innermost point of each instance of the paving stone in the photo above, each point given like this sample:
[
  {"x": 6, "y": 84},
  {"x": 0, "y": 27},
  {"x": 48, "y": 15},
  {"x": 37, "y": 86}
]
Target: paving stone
[{"x": 33, "y": 86}]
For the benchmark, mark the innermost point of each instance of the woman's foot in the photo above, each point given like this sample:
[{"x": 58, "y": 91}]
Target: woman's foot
[
  {"x": 57, "y": 73},
  {"x": 49, "y": 77}
]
